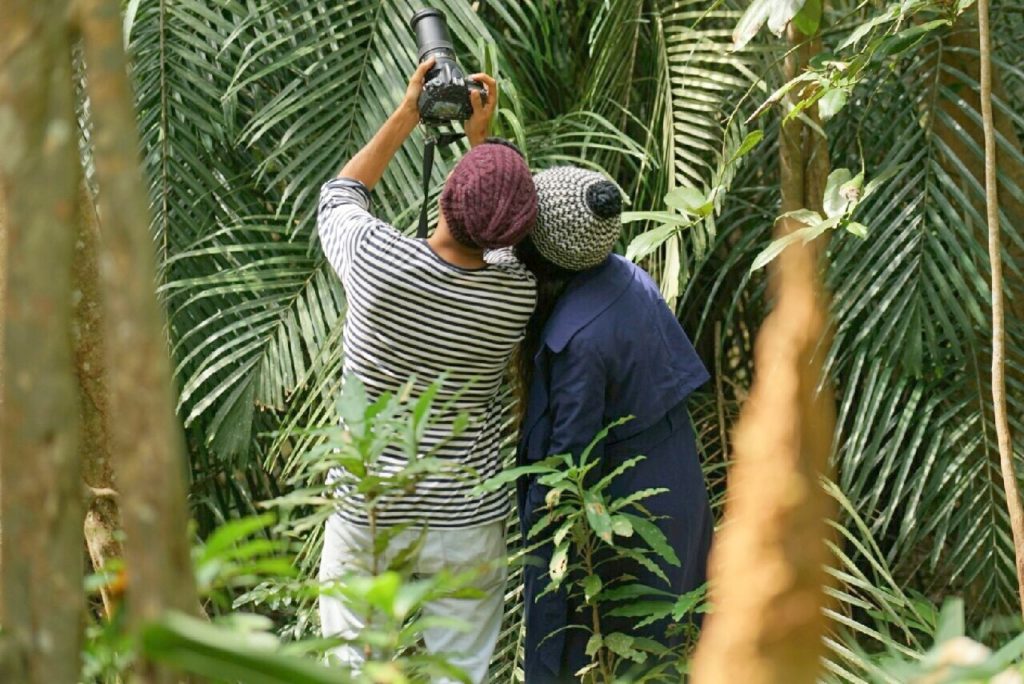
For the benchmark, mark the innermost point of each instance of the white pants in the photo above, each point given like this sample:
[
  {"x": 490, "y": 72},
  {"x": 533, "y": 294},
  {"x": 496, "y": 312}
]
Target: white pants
[{"x": 347, "y": 549}]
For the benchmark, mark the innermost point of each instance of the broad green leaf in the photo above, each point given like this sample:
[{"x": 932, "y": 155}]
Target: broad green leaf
[
  {"x": 234, "y": 532},
  {"x": 352, "y": 405},
  {"x": 688, "y": 602},
  {"x": 951, "y": 620},
  {"x": 832, "y": 102},
  {"x": 781, "y": 91},
  {"x": 666, "y": 217},
  {"x": 605, "y": 481},
  {"x": 653, "y": 537},
  {"x": 752, "y": 139},
  {"x": 688, "y": 200},
  {"x": 671, "y": 271},
  {"x": 660, "y": 608},
  {"x": 622, "y": 645},
  {"x": 645, "y": 243},
  {"x": 851, "y": 189},
  {"x": 775, "y": 248},
  {"x": 809, "y": 17},
  {"x": 558, "y": 566},
  {"x": 834, "y": 202},
  {"x": 599, "y": 437},
  {"x": 597, "y": 515},
  {"x": 909, "y": 37},
  {"x": 563, "y": 531},
  {"x": 224, "y": 654},
  {"x": 633, "y": 590},
  {"x": 621, "y": 527},
  {"x": 635, "y": 497},
  {"x": 889, "y": 14},
  {"x": 858, "y": 229},
  {"x": 507, "y": 477},
  {"x": 814, "y": 232},
  {"x": 593, "y": 645}
]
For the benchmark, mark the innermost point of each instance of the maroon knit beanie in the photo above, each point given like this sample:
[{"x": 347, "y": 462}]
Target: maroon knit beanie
[{"x": 489, "y": 200}]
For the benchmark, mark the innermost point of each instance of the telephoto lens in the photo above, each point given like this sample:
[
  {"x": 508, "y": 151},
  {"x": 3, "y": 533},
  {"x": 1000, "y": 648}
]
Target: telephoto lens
[
  {"x": 432, "y": 34},
  {"x": 445, "y": 95}
]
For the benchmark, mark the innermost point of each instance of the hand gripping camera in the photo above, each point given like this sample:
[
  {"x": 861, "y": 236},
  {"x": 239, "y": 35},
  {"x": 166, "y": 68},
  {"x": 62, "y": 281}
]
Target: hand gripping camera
[{"x": 446, "y": 89}]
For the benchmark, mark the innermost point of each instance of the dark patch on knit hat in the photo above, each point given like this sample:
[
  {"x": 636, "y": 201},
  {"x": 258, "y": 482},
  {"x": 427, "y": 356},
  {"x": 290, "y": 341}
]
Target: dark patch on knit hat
[{"x": 604, "y": 199}]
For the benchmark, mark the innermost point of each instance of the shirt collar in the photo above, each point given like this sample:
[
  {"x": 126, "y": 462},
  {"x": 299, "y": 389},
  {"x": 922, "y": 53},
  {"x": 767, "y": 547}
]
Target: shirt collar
[{"x": 588, "y": 295}]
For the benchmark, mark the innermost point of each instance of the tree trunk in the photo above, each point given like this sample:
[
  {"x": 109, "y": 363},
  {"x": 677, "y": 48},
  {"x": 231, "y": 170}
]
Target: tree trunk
[
  {"x": 146, "y": 436},
  {"x": 768, "y": 565},
  {"x": 998, "y": 334},
  {"x": 42, "y": 603},
  {"x": 101, "y": 517}
]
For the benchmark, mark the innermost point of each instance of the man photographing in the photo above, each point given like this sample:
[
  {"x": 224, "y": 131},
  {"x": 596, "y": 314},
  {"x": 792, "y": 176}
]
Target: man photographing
[{"x": 444, "y": 306}]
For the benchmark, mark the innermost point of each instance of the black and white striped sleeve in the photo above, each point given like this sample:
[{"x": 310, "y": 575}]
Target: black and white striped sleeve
[{"x": 343, "y": 220}]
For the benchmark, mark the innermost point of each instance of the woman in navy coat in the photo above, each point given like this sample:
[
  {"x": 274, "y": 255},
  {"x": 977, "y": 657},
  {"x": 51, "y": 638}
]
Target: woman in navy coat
[{"x": 603, "y": 345}]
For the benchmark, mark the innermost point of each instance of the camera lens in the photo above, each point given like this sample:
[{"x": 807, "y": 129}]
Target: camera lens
[{"x": 431, "y": 33}]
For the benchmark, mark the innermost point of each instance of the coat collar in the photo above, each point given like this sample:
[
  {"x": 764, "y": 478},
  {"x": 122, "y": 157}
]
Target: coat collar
[{"x": 588, "y": 295}]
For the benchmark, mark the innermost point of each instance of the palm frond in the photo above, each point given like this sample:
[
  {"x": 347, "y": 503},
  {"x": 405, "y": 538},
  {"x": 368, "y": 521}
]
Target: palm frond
[{"x": 918, "y": 445}]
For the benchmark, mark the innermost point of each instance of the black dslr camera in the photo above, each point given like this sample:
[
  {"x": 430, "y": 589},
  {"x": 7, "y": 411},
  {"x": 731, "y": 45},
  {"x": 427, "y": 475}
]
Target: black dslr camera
[{"x": 446, "y": 89}]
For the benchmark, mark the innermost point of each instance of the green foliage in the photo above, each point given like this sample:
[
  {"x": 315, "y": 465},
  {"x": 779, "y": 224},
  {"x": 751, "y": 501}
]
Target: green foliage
[
  {"x": 915, "y": 447},
  {"x": 107, "y": 651},
  {"x": 954, "y": 658},
  {"x": 245, "y": 108},
  {"x": 843, "y": 192},
  {"x": 584, "y": 525},
  {"x": 384, "y": 593},
  {"x": 240, "y": 554},
  {"x": 242, "y": 650}
]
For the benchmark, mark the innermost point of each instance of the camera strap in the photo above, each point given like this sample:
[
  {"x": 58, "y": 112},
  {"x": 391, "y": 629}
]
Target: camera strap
[{"x": 434, "y": 138}]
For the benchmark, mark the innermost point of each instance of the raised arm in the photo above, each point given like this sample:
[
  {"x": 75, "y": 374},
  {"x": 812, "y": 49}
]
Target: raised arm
[{"x": 368, "y": 165}]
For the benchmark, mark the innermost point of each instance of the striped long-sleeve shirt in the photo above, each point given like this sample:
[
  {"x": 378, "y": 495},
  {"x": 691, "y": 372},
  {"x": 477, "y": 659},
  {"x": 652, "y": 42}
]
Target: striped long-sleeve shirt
[{"x": 412, "y": 314}]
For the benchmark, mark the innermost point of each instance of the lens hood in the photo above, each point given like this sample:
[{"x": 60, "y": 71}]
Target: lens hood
[{"x": 431, "y": 32}]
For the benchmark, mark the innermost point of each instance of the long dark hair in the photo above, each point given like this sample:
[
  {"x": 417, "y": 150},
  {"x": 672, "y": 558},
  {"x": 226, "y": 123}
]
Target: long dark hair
[{"x": 551, "y": 283}]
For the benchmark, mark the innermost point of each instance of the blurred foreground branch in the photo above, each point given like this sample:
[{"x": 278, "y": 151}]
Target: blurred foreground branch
[
  {"x": 146, "y": 437},
  {"x": 768, "y": 564},
  {"x": 41, "y": 610}
]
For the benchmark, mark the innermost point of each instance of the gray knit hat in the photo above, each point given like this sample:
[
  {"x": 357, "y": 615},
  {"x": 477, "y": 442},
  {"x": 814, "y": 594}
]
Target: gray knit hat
[{"x": 578, "y": 217}]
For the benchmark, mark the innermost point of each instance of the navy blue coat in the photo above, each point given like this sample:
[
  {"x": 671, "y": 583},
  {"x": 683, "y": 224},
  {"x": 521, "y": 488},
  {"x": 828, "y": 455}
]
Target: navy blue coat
[{"x": 612, "y": 348}]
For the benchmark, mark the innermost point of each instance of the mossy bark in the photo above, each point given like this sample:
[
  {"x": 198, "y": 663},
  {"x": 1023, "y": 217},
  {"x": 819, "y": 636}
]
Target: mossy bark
[{"x": 102, "y": 520}]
